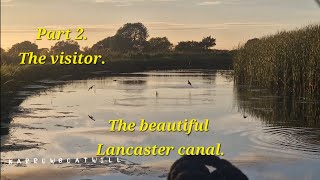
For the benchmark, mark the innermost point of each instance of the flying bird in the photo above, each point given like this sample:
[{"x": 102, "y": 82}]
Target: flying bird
[
  {"x": 189, "y": 83},
  {"x": 91, "y": 87},
  {"x": 244, "y": 115},
  {"x": 157, "y": 93},
  {"x": 91, "y": 117}
]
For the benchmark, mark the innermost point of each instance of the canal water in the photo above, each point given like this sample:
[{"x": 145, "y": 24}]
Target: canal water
[{"x": 266, "y": 136}]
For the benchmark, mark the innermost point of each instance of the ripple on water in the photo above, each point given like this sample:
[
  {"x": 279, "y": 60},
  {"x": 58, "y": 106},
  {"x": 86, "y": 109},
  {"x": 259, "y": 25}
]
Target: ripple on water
[{"x": 290, "y": 140}]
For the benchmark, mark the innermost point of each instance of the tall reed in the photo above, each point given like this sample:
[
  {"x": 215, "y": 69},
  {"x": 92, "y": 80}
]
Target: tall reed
[{"x": 288, "y": 62}]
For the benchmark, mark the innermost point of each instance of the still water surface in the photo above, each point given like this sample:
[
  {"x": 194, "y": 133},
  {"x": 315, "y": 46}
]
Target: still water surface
[{"x": 266, "y": 136}]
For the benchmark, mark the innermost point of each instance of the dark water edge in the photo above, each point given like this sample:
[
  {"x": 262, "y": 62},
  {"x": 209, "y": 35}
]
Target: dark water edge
[
  {"x": 62, "y": 74},
  {"x": 278, "y": 109},
  {"x": 295, "y": 119}
]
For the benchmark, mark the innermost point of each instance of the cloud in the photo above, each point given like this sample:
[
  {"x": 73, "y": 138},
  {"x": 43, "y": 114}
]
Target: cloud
[
  {"x": 126, "y": 2},
  {"x": 159, "y": 26},
  {"x": 113, "y": 2},
  {"x": 218, "y": 2},
  {"x": 209, "y": 3},
  {"x": 6, "y": 3}
]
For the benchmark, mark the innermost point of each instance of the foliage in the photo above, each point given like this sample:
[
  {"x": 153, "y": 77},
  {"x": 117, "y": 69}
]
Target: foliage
[
  {"x": 2, "y": 51},
  {"x": 158, "y": 45},
  {"x": 106, "y": 45},
  {"x": 25, "y": 46},
  {"x": 132, "y": 37},
  {"x": 68, "y": 47},
  {"x": 195, "y": 46},
  {"x": 208, "y": 42},
  {"x": 43, "y": 51},
  {"x": 288, "y": 62}
]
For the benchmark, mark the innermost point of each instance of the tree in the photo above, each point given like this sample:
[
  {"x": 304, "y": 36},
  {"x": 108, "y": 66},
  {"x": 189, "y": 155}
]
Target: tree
[
  {"x": 25, "y": 46},
  {"x": 2, "y": 55},
  {"x": 68, "y": 47},
  {"x": 195, "y": 46},
  {"x": 131, "y": 37},
  {"x": 208, "y": 42},
  {"x": 188, "y": 46},
  {"x": 3, "y": 51},
  {"x": 43, "y": 51},
  {"x": 106, "y": 45},
  {"x": 158, "y": 45},
  {"x": 86, "y": 49}
]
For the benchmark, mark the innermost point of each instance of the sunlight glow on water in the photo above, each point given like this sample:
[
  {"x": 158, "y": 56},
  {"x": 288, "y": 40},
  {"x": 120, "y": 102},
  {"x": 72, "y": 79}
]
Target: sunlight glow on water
[{"x": 56, "y": 124}]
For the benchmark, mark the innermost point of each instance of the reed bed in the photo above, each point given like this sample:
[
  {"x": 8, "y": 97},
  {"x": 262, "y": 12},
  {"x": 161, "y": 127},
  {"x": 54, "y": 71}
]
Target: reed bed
[{"x": 287, "y": 62}]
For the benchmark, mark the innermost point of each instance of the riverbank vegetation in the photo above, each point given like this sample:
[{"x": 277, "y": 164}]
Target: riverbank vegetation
[{"x": 287, "y": 62}]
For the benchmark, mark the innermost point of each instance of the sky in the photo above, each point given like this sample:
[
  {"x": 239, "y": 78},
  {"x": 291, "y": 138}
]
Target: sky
[{"x": 231, "y": 22}]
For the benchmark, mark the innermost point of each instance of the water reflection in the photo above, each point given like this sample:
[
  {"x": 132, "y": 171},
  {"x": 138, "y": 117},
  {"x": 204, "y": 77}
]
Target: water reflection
[
  {"x": 133, "y": 82},
  {"x": 279, "y": 110},
  {"x": 290, "y": 123},
  {"x": 57, "y": 123}
]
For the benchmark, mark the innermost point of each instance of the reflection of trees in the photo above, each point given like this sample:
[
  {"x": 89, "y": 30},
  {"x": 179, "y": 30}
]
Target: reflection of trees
[
  {"x": 210, "y": 77},
  {"x": 227, "y": 74},
  {"x": 4, "y": 129},
  {"x": 133, "y": 82},
  {"x": 274, "y": 110}
]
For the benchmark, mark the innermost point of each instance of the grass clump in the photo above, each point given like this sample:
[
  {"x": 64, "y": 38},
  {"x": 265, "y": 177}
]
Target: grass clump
[{"x": 288, "y": 62}]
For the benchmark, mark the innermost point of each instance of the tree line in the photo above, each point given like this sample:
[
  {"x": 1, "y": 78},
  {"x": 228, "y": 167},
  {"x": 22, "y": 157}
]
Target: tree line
[{"x": 130, "y": 38}]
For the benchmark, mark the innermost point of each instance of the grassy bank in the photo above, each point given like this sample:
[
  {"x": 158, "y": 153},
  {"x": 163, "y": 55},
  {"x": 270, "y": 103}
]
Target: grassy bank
[
  {"x": 287, "y": 62},
  {"x": 14, "y": 76}
]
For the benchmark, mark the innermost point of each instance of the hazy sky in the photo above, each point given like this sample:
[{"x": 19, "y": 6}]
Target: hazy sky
[{"x": 229, "y": 21}]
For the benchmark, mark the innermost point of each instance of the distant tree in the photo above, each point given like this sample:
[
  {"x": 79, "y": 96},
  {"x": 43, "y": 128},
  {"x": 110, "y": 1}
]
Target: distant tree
[
  {"x": 86, "y": 49},
  {"x": 43, "y": 51},
  {"x": 208, "y": 42},
  {"x": 188, "y": 46},
  {"x": 25, "y": 46},
  {"x": 158, "y": 45},
  {"x": 3, "y": 51},
  {"x": 68, "y": 47},
  {"x": 131, "y": 37},
  {"x": 2, "y": 55},
  {"x": 106, "y": 45},
  {"x": 195, "y": 46}
]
